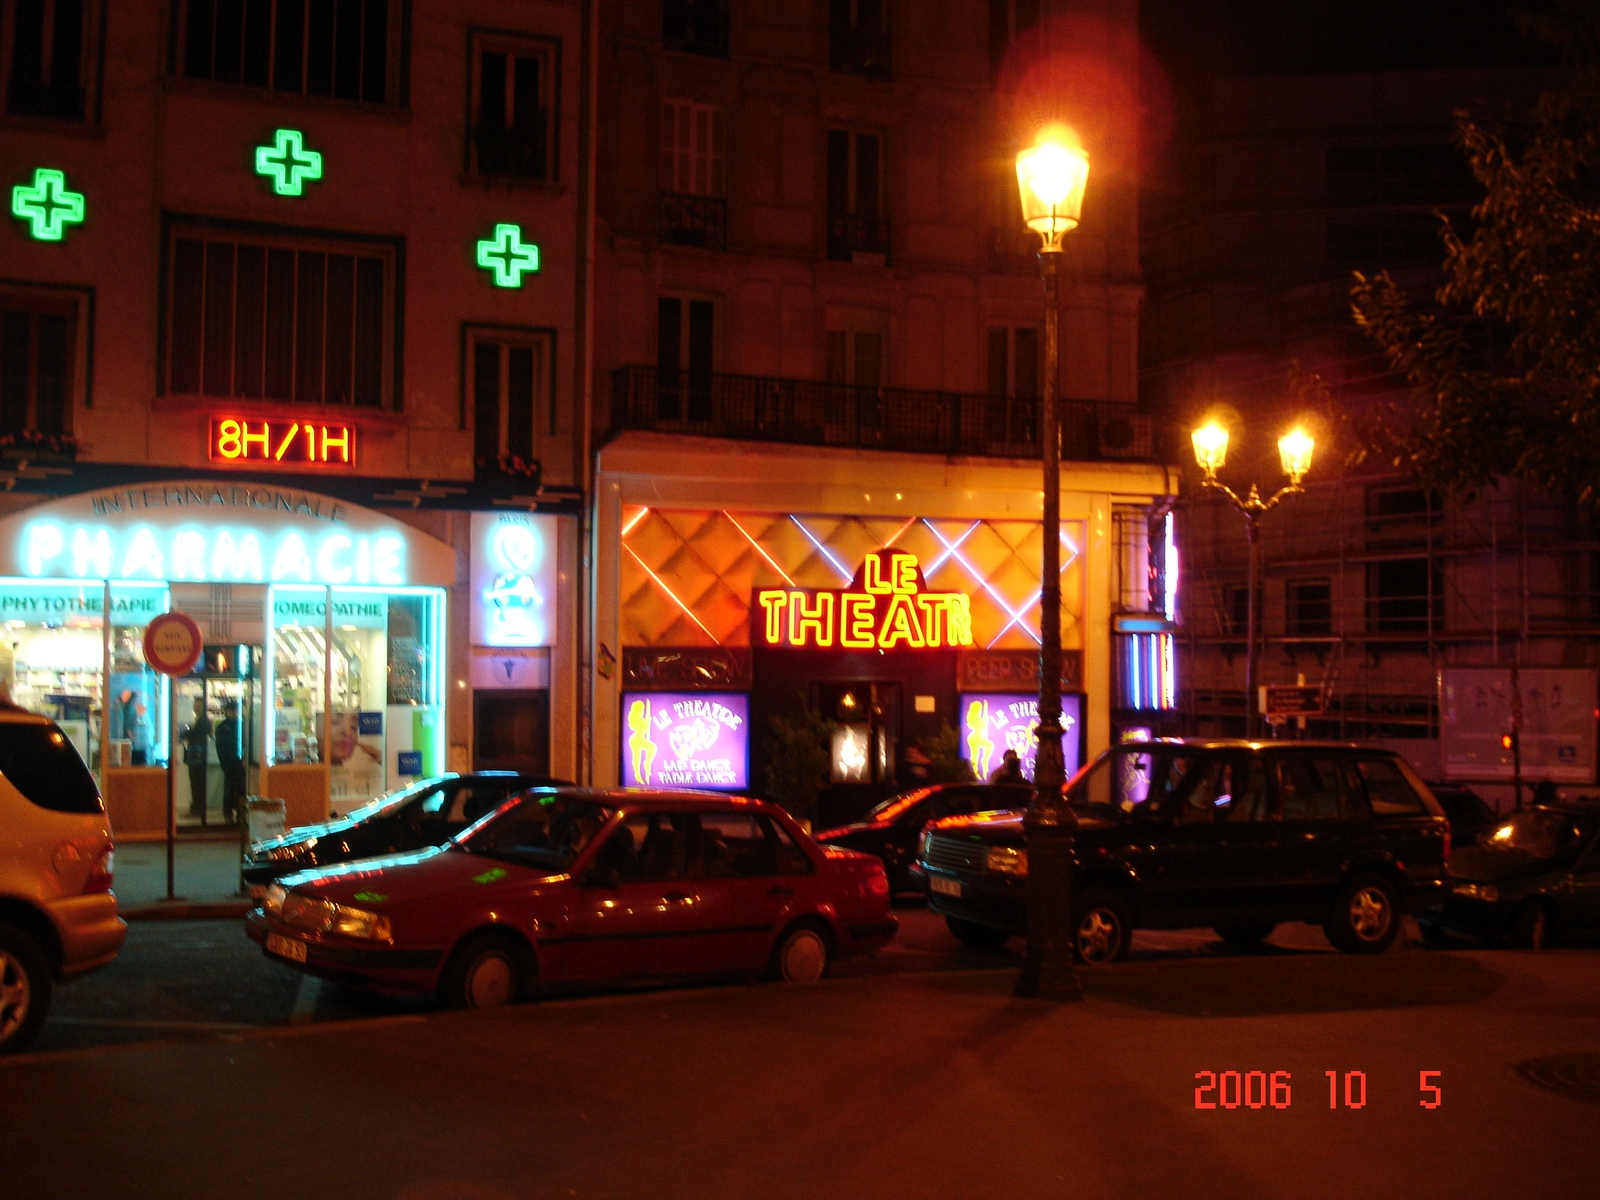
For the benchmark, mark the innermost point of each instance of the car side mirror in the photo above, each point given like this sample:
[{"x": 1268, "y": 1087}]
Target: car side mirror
[{"x": 599, "y": 878}]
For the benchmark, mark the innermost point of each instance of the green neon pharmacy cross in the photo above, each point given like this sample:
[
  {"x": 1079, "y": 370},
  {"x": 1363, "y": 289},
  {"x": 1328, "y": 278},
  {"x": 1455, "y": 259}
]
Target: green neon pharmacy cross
[
  {"x": 47, "y": 206},
  {"x": 508, "y": 256},
  {"x": 288, "y": 162}
]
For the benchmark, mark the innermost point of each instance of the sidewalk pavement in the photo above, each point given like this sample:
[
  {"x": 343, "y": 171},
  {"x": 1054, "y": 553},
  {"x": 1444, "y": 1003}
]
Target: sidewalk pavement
[{"x": 205, "y": 879}]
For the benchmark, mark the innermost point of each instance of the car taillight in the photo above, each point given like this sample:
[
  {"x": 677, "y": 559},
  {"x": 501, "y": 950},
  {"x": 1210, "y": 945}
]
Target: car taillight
[
  {"x": 1447, "y": 845},
  {"x": 100, "y": 874},
  {"x": 878, "y": 882}
]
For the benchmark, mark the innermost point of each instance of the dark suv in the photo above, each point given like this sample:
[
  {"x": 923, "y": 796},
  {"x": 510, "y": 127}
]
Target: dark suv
[{"x": 1235, "y": 835}]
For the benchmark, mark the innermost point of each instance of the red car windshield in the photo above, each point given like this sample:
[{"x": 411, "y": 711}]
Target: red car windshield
[{"x": 546, "y": 830}]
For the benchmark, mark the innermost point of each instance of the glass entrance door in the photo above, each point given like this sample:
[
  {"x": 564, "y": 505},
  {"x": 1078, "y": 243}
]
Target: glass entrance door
[{"x": 219, "y": 736}]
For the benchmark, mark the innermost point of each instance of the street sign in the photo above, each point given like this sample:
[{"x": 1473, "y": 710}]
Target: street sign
[
  {"x": 1291, "y": 700},
  {"x": 172, "y": 644}
]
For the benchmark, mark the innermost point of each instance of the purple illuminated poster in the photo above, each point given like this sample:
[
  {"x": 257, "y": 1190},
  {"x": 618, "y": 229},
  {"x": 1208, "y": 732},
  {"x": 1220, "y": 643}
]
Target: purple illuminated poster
[
  {"x": 991, "y": 724},
  {"x": 686, "y": 739}
]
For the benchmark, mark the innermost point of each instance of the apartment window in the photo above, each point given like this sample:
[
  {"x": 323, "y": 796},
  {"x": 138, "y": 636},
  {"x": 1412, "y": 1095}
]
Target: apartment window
[
  {"x": 1236, "y": 609},
  {"x": 858, "y": 227},
  {"x": 1400, "y": 594},
  {"x": 344, "y": 49},
  {"x": 858, "y": 38},
  {"x": 510, "y": 373},
  {"x": 36, "y": 366},
  {"x": 695, "y": 26},
  {"x": 49, "y": 57},
  {"x": 685, "y": 357},
  {"x": 693, "y": 174},
  {"x": 855, "y": 358},
  {"x": 693, "y": 148},
  {"x": 513, "y": 102},
  {"x": 1310, "y": 603},
  {"x": 1008, "y": 21},
  {"x": 268, "y": 319},
  {"x": 1011, "y": 412}
]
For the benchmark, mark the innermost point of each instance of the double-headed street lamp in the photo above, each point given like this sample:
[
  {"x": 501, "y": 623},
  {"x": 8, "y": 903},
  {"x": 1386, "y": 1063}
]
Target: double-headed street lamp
[
  {"x": 1051, "y": 177},
  {"x": 1211, "y": 452}
]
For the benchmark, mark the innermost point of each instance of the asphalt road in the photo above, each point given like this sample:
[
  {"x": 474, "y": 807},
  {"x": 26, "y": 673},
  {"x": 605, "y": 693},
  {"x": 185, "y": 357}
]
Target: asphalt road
[
  {"x": 916, "y": 1075},
  {"x": 206, "y": 979}
]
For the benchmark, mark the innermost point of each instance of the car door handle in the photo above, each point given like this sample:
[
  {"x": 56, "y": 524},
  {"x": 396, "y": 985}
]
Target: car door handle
[
  {"x": 677, "y": 897},
  {"x": 778, "y": 889}
]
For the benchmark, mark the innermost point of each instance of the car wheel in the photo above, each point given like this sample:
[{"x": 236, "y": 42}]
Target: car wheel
[
  {"x": 1102, "y": 930},
  {"x": 1365, "y": 918},
  {"x": 979, "y": 937},
  {"x": 24, "y": 989},
  {"x": 1245, "y": 933},
  {"x": 486, "y": 971},
  {"x": 802, "y": 955},
  {"x": 1530, "y": 926}
]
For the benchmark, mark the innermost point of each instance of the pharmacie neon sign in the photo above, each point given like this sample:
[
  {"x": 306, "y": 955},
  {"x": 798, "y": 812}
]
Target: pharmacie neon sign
[
  {"x": 302, "y": 443},
  {"x": 210, "y": 554},
  {"x": 886, "y": 607}
]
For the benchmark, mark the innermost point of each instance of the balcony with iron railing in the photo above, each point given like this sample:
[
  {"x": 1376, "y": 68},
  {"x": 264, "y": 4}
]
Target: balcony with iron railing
[
  {"x": 811, "y": 413},
  {"x": 694, "y": 221},
  {"x": 863, "y": 240}
]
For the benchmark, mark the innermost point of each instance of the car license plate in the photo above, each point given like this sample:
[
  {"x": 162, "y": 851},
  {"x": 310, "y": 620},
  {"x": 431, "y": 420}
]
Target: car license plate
[
  {"x": 294, "y": 951},
  {"x": 945, "y": 887}
]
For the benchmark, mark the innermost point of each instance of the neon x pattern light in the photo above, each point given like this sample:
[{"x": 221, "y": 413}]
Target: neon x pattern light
[{"x": 688, "y": 576}]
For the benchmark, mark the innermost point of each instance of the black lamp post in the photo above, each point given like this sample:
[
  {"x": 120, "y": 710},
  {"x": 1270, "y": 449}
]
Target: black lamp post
[
  {"x": 1051, "y": 177},
  {"x": 1294, "y": 452}
]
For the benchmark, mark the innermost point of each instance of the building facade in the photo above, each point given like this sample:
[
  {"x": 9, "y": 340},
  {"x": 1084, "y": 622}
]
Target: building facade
[
  {"x": 293, "y": 318},
  {"x": 818, "y": 330},
  {"x": 1385, "y": 595}
]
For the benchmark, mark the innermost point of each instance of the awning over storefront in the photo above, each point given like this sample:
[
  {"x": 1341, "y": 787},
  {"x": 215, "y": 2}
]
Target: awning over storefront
[{"x": 205, "y": 531}]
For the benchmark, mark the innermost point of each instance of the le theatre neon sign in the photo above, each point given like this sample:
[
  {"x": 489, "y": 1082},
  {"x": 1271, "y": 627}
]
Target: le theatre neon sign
[{"x": 886, "y": 607}]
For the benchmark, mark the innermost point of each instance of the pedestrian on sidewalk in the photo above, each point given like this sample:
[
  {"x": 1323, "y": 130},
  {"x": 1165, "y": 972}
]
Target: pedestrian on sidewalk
[
  {"x": 196, "y": 736},
  {"x": 230, "y": 740},
  {"x": 1009, "y": 770}
]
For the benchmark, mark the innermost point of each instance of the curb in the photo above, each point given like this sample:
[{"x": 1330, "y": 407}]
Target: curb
[{"x": 185, "y": 910}]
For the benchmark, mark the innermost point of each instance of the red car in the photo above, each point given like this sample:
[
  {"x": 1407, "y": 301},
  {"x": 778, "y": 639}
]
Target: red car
[{"x": 564, "y": 886}]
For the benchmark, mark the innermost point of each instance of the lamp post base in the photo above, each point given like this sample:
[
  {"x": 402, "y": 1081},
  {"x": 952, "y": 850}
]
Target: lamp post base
[{"x": 1047, "y": 972}]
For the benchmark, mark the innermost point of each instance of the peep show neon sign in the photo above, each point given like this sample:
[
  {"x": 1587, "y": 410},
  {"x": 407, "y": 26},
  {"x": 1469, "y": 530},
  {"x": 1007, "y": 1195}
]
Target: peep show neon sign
[
  {"x": 52, "y": 548},
  {"x": 886, "y": 607}
]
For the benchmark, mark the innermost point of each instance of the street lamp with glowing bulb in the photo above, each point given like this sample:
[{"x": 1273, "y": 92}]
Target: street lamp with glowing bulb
[
  {"x": 1294, "y": 454},
  {"x": 1051, "y": 176}
]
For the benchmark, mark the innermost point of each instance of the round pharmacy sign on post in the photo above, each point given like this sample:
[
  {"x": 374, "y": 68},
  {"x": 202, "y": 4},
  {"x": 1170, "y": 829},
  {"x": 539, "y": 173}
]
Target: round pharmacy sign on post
[{"x": 172, "y": 644}]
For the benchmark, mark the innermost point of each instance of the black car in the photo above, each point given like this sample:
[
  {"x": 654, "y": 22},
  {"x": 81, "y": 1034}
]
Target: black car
[
  {"x": 1236, "y": 835},
  {"x": 1534, "y": 879},
  {"x": 426, "y": 813},
  {"x": 1469, "y": 816},
  {"x": 891, "y": 830}
]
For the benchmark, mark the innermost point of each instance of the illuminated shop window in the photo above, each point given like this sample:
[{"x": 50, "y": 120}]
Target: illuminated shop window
[
  {"x": 50, "y": 49},
  {"x": 263, "y": 318},
  {"x": 513, "y": 105},
  {"x": 346, "y": 51},
  {"x": 52, "y": 662},
  {"x": 375, "y": 668}
]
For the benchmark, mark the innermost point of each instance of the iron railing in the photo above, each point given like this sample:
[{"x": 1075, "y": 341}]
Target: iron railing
[
  {"x": 694, "y": 220},
  {"x": 811, "y": 413},
  {"x": 858, "y": 239}
]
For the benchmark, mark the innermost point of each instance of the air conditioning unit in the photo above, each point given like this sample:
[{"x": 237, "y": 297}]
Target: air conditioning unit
[{"x": 1124, "y": 435}]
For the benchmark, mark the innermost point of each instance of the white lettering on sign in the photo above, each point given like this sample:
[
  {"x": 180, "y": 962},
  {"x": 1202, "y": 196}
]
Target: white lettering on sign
[{"x": 52, "y": 549}]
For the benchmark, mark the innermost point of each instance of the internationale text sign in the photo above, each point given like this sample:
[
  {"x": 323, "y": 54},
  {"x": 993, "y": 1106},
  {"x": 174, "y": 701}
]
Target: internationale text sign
[{"x": 886, "y": 607}]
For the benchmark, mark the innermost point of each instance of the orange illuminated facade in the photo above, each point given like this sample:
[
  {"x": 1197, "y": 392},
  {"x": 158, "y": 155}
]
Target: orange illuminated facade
[
  {"x": 299, "y": 443},
  {"x": 886, "y": 607}
]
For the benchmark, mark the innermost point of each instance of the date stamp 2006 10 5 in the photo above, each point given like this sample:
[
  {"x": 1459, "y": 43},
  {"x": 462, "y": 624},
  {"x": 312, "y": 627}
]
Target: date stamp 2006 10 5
[{"x": 1260, "y": 1089}]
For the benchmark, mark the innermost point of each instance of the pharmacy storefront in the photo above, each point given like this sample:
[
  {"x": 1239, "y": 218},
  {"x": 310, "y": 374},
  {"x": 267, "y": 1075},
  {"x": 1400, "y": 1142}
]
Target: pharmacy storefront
[{"x": 323, "y": 678}]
